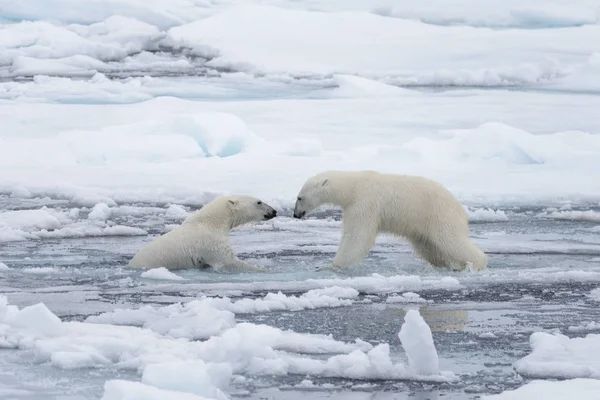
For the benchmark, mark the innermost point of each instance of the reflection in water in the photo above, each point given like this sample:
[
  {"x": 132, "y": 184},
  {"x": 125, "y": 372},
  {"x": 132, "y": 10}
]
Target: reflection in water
[{"x": 439, "y": 320}]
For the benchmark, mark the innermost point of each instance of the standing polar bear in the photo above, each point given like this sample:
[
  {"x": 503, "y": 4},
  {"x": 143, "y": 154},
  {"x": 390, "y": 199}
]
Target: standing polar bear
[
  {"x": 417, "y": 208},
  {"x": 203, "y": 238}
]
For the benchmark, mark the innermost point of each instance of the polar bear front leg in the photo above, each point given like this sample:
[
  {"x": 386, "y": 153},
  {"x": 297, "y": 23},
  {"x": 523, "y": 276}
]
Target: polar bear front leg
[
  {"x": 219, "y": 254},
  {"x": 239, "y": 264},
  {"x": 230, "y": 261},
  {"x": 359, "y": 234}
]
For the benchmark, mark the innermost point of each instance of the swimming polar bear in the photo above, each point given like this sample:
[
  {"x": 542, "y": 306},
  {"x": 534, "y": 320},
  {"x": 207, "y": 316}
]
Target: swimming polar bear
[
  {"x": 414, "y": 207},
  {"x": 203, "y": 238}
]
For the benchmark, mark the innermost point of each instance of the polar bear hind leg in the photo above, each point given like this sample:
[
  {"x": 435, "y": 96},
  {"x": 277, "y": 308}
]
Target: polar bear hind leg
[
  {"x": 429, "y": 251},
  {"x": 456, "y": 253}
]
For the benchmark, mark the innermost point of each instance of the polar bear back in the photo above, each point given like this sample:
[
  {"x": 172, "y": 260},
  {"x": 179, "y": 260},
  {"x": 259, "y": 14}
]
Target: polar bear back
[
  {"x": 410, "y": 204},
  {"x": 187, "y": 246}
]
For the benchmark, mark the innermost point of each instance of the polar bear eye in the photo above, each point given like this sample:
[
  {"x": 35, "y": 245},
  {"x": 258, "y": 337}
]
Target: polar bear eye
[
  {"x": 299, "y": 198},
  {"x": 259, "y": 202}
]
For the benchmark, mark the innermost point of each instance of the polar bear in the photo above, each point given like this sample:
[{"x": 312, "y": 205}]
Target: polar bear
[
  {"x": 414, "y": 207},
  {"x": 202, "y": 240}
]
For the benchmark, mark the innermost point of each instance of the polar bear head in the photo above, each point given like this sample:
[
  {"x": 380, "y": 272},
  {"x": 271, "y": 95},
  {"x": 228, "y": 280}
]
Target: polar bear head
[
  {"x": 315, "y": 192},
  {"x": 246, "y": 209}
]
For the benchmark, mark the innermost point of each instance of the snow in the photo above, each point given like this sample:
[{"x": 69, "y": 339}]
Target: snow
[
  {"x": 67, "y": 158},
  {"x": 417, "y": 341},
  {"x": 293, "y": 51},
  {"x": 497, "y": 13},
  {"x": 558, "y": 356},
  {"x": 162, "y": 274},
  {"x": 584, "y": 389},
  {"x": 202, "y": 135},
  {"x": 504, "y": 144},
  {"x": 113, "y": 37}
]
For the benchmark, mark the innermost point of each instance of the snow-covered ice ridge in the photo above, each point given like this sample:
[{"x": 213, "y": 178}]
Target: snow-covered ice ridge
[
  {"x": 163, "y": 143},
  {"x": 190, "y": 37}
]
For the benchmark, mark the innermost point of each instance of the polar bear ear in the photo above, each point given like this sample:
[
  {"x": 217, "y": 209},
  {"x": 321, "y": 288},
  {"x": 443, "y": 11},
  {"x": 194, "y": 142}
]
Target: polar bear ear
[{"x": 325, "y": 182}]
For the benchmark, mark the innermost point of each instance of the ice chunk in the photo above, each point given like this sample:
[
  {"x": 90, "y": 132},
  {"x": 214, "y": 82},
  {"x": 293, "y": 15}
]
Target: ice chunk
[
  {"x": 78, "y": 65},
  {"x": 196, "y": 376},
  {"x": 85, "y": 230},
  {"x": 278, "y": 301},
  {"x": 21, "y": 192},
  {"x": 78, "y": 359},
  {"x": 29, "y": 220},
  {"x": 486, "y": 215},
  {"x": 3, "y": 267},
  {"x": 176, "y": 211},
  {"x": 162, "y": 274},
  {"x": 36, "y": 319},
  {"x": 558, "y": 356},
  {"x": 333, "y": 291},
  {"x": 6, "y": 310},
  {"x": 585, "y": 327},
  {"x": 356, "y": 86},
  {"x": 209, "y": 316},
  {"x": 126, "y": 390},
  {"x": 581, "y": 389},
  {"x": 41, "y": 270},
  {"x": 595, "y": 294},
  {"x": 589, "y": 215},
  {"x": 408, "y": 297},
  {"x": 194, "y": 320},
  {"x": 244, "y": 348},
  {"x": 90, "y": 199},
  {"x": 100, "y": 212},
  {"x": 417, "y": 341}
]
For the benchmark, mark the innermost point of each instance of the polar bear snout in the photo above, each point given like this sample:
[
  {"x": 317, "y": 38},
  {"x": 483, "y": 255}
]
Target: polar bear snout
[
  {"x": 270, "y": 214},
  {"x": 299, "y": 214}
]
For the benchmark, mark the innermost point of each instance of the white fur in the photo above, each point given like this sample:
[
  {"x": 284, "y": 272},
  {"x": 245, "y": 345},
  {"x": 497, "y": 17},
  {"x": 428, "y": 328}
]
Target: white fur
[
  {"x": 417, "y": 208},
  {"x": 203, "y": 238}
]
